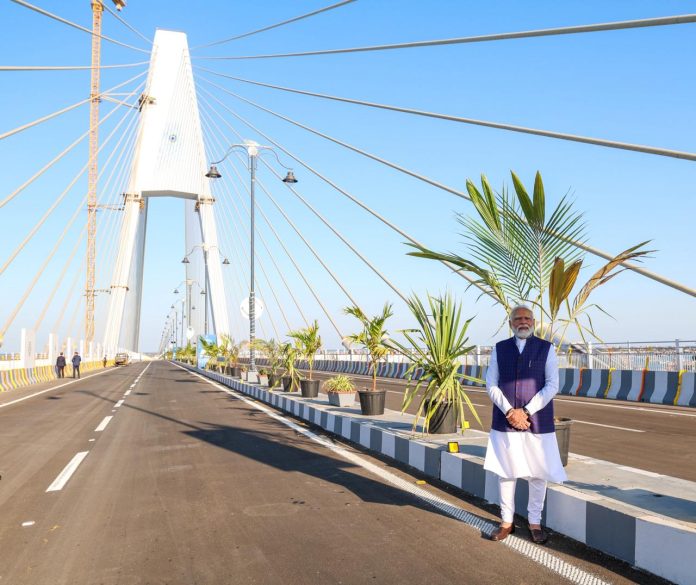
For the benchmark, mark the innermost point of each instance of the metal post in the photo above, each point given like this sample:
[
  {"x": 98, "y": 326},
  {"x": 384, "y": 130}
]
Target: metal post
[
  {"x": 680, "y": 353},
  {"x": 252, "y": 302},
  {"x": 590, "y": 356},
  {"x": 207, "y": 289}
]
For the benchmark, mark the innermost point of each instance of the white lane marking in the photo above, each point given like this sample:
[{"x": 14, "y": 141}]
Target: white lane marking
[
  {"x": 640, "y": 471},
  {"x": 48, "y": 390},
  {"x": 28, "y": 523},
  {"x": 103, "y": 423},
  {"x": 119, "y": 403},
  {"x": 584, "y": 422},
  {"x": 65, "y": 475},
  {"x": 127, "y": 393},
  {"x": 538, "y": 554}
]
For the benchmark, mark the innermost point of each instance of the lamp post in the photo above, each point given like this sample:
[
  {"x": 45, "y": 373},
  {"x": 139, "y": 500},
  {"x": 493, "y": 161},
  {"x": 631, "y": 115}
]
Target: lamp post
[
  {"x": 253, "y": 150},
  {"x": 206, "y": 287}
]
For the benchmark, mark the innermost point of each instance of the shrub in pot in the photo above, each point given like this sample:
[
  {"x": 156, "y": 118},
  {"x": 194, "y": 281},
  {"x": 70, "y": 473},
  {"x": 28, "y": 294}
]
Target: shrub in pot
[
  {"x": 308, "y": 342},
  {"x": 273, "y": 351},
  {"x": 230, "y": 350},
  {"x": 435, "y": 349},
  {"x": 340, "y": 390},
  {"x": 372, "y": 338},
  {"x": 291, "y": 378},
  {"x": 263, "y": 377}
]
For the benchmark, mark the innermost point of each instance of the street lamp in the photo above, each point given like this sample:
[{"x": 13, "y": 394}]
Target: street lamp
[
  {"x": 204, "y": 288},
  {"x": 253, "y": 150}
]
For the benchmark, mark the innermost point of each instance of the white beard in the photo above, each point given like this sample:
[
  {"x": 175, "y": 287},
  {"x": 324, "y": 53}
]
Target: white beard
[{"x": 523, "y": 334}]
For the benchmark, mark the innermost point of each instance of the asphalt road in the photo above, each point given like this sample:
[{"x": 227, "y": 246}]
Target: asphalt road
[
  {"x": 186, "y": 484},
  {"x": 661, "y": 439}
]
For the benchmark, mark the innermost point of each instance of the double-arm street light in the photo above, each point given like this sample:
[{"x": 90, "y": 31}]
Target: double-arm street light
[
  {"x": 253, "y": 150},
  {"x": 204, "y": 289}
]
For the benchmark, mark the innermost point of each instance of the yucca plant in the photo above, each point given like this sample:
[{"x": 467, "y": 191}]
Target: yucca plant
[
  {"x": 288, "y": 355},
  {"x": 308, "y": 342},
  {"x": 436, "y": 347},
  {"x": 372, "y": 337},
  {"x": 518, "y": 253}
]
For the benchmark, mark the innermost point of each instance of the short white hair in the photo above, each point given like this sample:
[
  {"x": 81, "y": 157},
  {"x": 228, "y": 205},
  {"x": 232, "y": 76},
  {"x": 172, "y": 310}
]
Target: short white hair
[{"x": 520, "y": 307}]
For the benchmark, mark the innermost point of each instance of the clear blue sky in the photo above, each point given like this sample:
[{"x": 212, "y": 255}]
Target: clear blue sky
[{"x": 633, "y": 86}]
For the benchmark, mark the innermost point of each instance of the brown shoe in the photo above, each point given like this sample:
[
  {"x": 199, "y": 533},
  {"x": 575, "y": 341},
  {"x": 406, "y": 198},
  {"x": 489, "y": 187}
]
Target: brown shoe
[
  {"x": 502, "y": 532},
  {"x": 539, "y": 535}
]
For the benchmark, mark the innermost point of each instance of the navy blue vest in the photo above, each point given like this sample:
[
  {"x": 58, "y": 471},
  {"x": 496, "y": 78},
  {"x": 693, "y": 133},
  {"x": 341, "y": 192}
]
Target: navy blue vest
[{"x": 522, "y": 375}]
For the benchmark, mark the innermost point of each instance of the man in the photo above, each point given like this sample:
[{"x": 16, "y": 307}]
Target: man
[
  {"x": 60, "y": 365},
  {"x": 104, "y": 361},
  {"x": 76, "y": 359},
  {"x": 521, "y": 381}
]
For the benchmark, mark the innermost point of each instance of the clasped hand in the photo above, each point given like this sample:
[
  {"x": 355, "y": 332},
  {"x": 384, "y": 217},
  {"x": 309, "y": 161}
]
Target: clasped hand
[{"x": 518, "y": 419}]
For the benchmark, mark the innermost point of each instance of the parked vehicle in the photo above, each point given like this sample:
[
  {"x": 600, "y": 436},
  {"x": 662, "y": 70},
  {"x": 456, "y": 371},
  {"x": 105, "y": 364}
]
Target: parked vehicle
[{"x": 121, "y": 359}]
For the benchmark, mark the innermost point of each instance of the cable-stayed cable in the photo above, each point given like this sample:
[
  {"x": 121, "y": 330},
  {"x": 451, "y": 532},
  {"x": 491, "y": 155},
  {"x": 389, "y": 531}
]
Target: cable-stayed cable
[
  {"x": 72, "y": 24},
  {"x": 272, "y": 26},
  {"x": 62, "y": 111},
  {"x": 462, "y": 120},
  {"x": 66, "y": 67},
  {"x": 545, "y": 32},
  {"x": 658, "y": 278}
]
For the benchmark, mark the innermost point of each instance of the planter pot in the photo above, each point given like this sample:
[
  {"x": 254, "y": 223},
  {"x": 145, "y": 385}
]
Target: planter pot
[
  {"x": 341, "y": 398},
  {"x": 563, "y": 437},
  {"x": 273, "y": 381},
  {"x": 287, "y": 384},
  {"x": 236, "y": 372},
  {"x": 372, "y": 403},
  {"x": 243, "y": 375},
  {"x": 263, "y": 379},
  {"x": 252, "y": 377},
  {"x": 309, "y": 388},
  {"x": 444, "y": 420}
]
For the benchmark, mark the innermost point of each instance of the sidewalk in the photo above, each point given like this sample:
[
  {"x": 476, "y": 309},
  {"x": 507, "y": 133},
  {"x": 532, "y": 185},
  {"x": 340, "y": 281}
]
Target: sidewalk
[{"x": 644, "y": 518}]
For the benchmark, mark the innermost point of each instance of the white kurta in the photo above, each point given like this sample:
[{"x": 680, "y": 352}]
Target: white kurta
[{"x": 524, "y": 454}]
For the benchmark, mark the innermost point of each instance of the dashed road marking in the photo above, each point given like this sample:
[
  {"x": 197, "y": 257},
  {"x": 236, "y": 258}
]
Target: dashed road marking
[
  {"x": 103, "y": 423},
  {"x": 67, "y": 472}
]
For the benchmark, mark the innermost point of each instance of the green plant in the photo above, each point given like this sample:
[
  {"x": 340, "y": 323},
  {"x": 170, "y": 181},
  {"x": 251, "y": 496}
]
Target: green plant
[
  {"x": 435, "y": 348},
  {"x": 230, "y": 349},
  {"x": 288, "y": 357},
  {"x": 372, "y": 336},
  {"x": 212, "y": 350},
  {"x": 518, "y": 253},
  {"x": 341, "y": 384},
  {"x": 308, "y": 343},
  {"x": 273, "y": 351},
  {"x": 263, "y": 372}
]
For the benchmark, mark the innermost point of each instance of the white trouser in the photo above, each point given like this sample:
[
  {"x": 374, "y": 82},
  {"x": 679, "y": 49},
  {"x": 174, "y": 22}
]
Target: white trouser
[{"x": 537, "y": 493}]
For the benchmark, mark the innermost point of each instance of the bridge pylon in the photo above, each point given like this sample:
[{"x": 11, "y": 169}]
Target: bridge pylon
[{"x": 169, "y": 161}]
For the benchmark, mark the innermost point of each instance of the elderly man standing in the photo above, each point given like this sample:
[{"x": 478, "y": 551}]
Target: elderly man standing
[{"x": 522, "y": 380}]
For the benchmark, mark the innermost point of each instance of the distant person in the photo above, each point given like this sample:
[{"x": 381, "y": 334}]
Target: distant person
[
  {"x": 60, "y": 365},
  {"x": 76, "y": 360},
  {"x": 522, "y": 380},
  {"x": 104, "y": 361}
]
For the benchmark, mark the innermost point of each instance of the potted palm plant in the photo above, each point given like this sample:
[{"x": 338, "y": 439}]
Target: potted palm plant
[
  {"x": 308, "y": 342},
  {"x": 231, "y": 352},
  {"x": 436, "y": 347},
  {"x": 274, "y": 354},
  {"x": 291, "y": 378},
  {"x": 372, "y": 337},
  {"x": 340, "y": 390}
]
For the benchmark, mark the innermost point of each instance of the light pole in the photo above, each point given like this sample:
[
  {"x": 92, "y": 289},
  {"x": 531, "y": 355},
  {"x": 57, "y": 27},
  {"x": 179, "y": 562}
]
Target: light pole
[
  {"x": 206, "y": 287},
  {"x": 253, "y": 150}
]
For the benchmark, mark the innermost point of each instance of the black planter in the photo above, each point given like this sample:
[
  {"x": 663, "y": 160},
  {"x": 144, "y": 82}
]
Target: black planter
[
  {"x": 372, "y": 403},
  {"x": 444, "y": 419},
  {"x": 563, "y": 437},
  {"x": 287, "y": 384},
  {"x": 272, "y": 380},
  {"x": 236, "y": 372},
  {"x": 309, "y": 388}
]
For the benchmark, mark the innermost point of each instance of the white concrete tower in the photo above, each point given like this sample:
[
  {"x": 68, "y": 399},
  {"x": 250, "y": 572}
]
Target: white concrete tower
[{"x": 169, "y": 161}]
